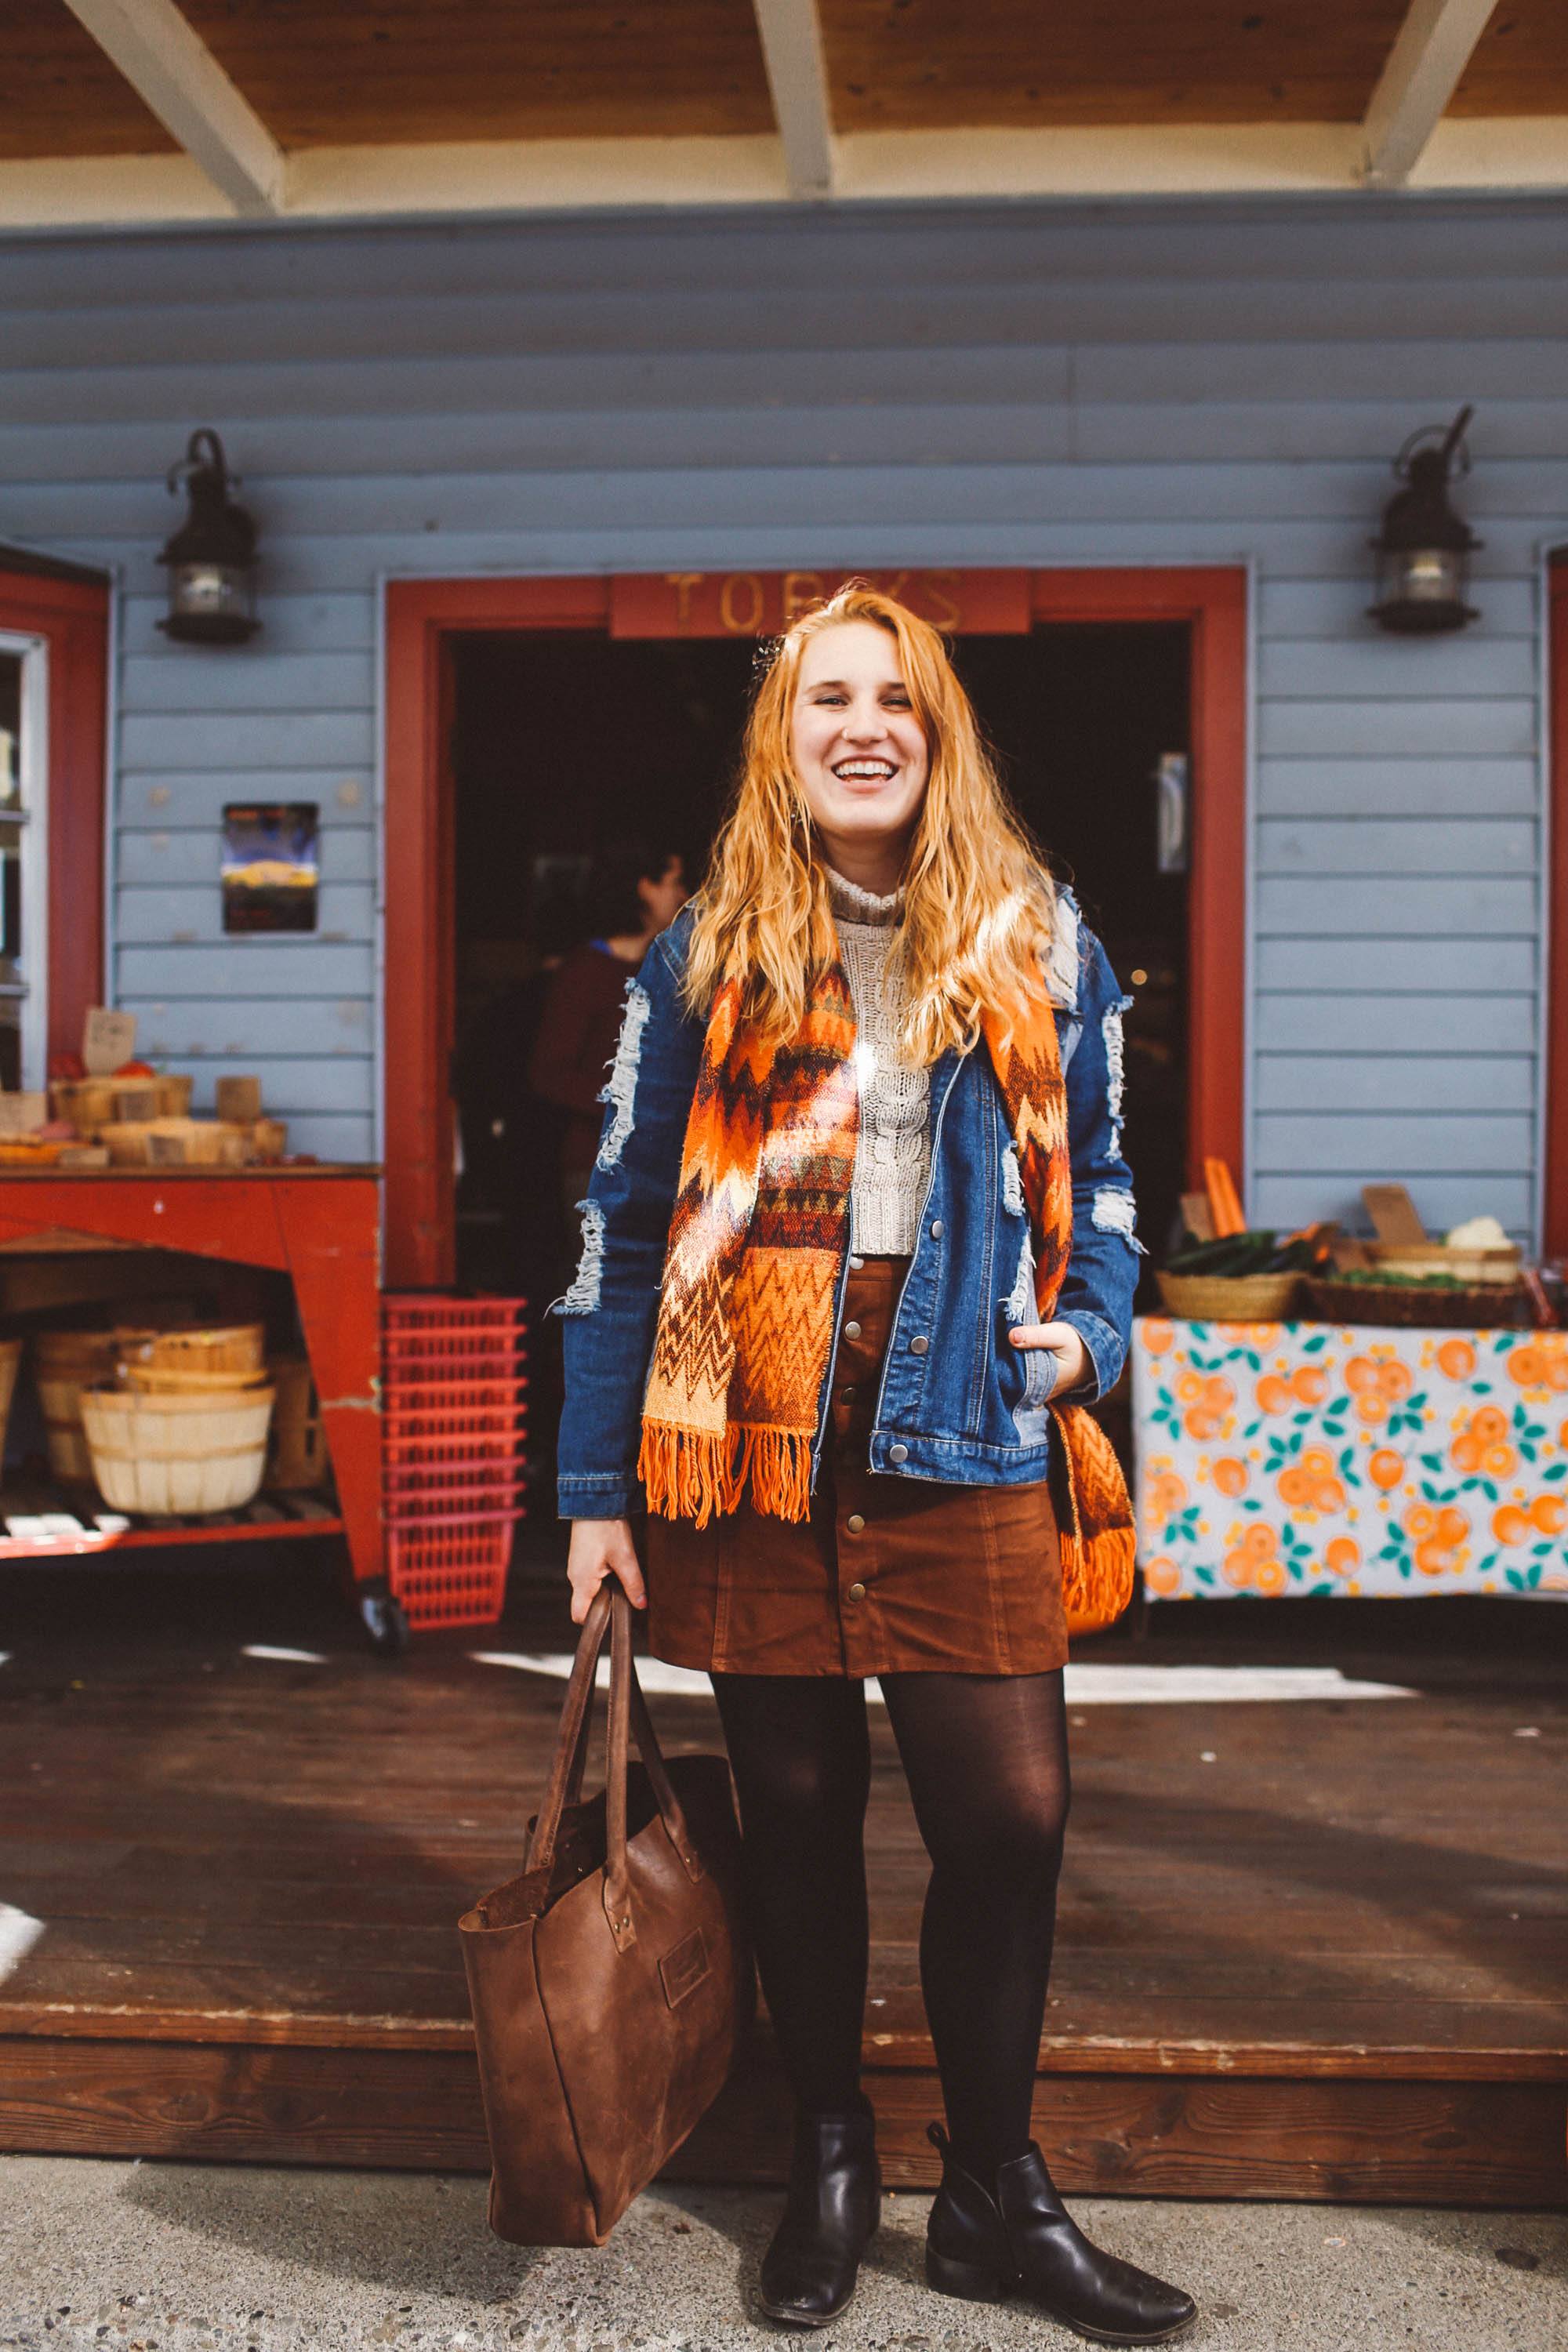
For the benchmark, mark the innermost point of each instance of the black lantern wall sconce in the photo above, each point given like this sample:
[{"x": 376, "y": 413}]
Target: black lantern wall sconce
[
  {"x": 1424, "y": 546},
  {"x": 212, "y": 557}
]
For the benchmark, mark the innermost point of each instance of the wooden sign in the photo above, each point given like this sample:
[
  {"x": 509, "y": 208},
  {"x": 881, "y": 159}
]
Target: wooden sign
[
  {"x": 1395, "y": 1217},
  {"x": 108, "y": 1041},
  {"x": 765, "y": 603}
]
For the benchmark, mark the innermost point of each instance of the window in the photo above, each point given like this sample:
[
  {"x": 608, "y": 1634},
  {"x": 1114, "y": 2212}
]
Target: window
[{"x": 24, "y": 809}]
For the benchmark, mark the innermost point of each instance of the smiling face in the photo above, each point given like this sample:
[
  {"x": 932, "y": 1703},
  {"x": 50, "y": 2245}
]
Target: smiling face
[{"x": 859, "y": 751}]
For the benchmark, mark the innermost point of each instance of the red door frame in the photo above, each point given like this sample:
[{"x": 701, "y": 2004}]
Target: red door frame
[
  {"x": 422, "y": 618},
  {"x": 1555, "y": 1218},
  {"x": 72, "y": 614}
]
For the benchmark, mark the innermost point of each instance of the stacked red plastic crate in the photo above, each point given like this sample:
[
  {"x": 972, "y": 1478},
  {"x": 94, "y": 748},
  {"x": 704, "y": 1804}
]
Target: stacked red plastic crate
[{"x": 454, "y": 1418}]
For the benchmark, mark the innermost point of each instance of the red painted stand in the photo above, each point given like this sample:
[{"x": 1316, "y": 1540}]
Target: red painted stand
[{"x": 318, "y": 1226}]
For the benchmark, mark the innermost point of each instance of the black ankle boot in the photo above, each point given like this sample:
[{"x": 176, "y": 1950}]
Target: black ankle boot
[
  {"x": 833, "y": 2206},
  {"x": 984, "y": 2245}
]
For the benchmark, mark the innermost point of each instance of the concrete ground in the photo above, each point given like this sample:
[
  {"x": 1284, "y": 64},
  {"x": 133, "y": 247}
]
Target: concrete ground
[{"x": 148, "y": 2257}]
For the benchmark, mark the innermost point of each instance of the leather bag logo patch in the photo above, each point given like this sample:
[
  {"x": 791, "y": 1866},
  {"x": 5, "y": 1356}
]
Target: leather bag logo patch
[{"x": 683, "y": 1970}]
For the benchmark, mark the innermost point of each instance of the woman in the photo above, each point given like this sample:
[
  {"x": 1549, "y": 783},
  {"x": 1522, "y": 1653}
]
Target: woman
[
  {"x": 636, "y": 890},
  {"x": 851, "y": 1240}
]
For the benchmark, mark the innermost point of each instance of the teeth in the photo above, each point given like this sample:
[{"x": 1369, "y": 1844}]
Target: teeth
[{"x": 863, "y": 768}]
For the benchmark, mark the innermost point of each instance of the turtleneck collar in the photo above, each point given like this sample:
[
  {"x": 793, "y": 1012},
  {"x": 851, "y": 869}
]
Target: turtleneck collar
[{"x": 851, "y": 904}]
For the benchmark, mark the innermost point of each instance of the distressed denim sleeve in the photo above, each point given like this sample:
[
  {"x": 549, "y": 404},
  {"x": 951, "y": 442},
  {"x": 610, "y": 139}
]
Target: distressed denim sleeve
[
  {"x": 1102, "y": 1272},
  {"x": 609, "y": 1308}
]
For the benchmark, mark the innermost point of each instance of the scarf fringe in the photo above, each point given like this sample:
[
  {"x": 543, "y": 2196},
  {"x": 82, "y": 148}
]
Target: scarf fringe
[
  {"x": 690, "y": 1474},
  {"x": 1097, "y": 1577}
]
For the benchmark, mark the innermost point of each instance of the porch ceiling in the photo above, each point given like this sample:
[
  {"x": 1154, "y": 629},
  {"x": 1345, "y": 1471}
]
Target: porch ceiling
[{"x": 127, "y": 110}]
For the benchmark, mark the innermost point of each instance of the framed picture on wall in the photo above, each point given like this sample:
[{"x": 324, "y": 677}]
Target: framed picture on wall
[{"x": 271, "y": 865}]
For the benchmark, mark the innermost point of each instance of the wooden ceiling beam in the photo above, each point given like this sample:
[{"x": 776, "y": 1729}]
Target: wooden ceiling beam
[
  {"x": 791, "y": 33},
  {"x": 1435, "y": 43},
  {"x": 177, "y": 77}
]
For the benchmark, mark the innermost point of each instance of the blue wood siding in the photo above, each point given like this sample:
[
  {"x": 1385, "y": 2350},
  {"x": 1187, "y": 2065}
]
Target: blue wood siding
[{"x": 1117, "y": 384}]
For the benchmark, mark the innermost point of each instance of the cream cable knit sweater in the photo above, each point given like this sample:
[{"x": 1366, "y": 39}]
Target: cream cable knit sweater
[{"x": 892, "y": 1156}]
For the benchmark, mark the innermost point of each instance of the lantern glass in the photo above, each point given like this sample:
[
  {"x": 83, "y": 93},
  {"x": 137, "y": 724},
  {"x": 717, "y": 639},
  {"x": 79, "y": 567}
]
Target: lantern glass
[
  {"x": 1422, "y": 586},
  {"x": 1431, "y": 575},
  {"x": 209, "y": 590}
]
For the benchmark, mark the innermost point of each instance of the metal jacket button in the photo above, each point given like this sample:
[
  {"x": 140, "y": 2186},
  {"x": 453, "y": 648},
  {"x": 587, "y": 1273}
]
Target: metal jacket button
[
  {"x": 919, "y": 1346},
  {"x": 854, "y": 1523},
  {"x": 851, "y": 1330},
  {"x": 898, "y": 1452},
  {"x": 936, "y": 1229},
  {"x": 856, "y": 1263},
  {"x": 855, "y": 1592}
]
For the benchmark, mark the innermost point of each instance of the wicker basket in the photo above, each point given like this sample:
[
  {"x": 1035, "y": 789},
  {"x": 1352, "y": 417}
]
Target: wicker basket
[
  {"x": 64, "y": 1363},
  {"x": 126, "y": 1142},
  {"x": 176, "y": 1454},
  {"x": 1230, "y": 1298},
  {"x": 268, "y": 1141},
  {"x": 1489, "y": 1267},
  {"x": 1483, "y": 1305},
  {"x": 159, "y": 1379},
  {"x": 197, "y": 1143},
  {"x": 87, "y": 1103},
  {"x": 174, "y": 1095},
  {"x": 226, "y": 1348},
  {"x": 136, "y": 1099}
]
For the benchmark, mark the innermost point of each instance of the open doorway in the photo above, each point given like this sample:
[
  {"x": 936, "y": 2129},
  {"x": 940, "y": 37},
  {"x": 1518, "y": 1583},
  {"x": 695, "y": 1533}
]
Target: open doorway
[
  {"x": 561, "y": 742},
  {"x": 1057, "y": 702}
]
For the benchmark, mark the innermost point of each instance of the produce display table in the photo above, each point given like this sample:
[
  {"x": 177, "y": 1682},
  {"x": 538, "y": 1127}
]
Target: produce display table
[
  {"x": 1319, "y": 1459},
  {"x": 318, "y": 1226}
]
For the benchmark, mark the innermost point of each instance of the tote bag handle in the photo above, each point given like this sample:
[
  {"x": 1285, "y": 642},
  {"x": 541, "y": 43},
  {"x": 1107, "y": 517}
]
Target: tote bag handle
[{"x": 611, "y": 1611}]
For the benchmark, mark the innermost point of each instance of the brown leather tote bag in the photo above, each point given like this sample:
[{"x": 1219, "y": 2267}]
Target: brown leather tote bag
[{"x": 611, "y": 1983}]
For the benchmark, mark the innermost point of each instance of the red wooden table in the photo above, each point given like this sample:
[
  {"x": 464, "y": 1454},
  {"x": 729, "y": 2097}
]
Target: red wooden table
[{"x": 320, "y": 1226}]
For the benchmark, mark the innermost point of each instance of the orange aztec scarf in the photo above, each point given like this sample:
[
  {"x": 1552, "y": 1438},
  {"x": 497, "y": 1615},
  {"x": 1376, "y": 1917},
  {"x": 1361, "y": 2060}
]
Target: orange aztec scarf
[{"x": 756, "y": 1241}]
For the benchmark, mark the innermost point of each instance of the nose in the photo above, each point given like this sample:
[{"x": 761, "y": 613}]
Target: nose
[{"x": 865, "y": 725}]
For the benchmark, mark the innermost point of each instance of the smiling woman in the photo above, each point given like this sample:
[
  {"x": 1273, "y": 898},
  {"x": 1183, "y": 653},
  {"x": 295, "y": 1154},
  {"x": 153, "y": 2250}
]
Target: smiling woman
[{"x": 841, "y": 1297}]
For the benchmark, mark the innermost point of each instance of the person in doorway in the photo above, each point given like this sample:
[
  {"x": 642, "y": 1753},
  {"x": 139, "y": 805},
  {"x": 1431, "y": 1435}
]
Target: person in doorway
[
  {"x": 635, "y": 890},
  {"x": 857, "y": 1249}
]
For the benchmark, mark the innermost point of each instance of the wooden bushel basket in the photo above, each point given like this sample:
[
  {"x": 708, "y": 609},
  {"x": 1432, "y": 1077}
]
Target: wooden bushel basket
[
  {"x": 171, "y": 1455},
  {"x": 64, "y": 1363},
  {"x": 611, "y": 1982}
]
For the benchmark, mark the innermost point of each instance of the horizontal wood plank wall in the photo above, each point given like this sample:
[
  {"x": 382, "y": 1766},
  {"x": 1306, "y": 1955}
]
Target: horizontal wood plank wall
[{"x": 1071, "y": 386}]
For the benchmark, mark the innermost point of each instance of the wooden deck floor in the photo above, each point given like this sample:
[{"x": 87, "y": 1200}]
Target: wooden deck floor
[{"x": 1306, "y": 1949}]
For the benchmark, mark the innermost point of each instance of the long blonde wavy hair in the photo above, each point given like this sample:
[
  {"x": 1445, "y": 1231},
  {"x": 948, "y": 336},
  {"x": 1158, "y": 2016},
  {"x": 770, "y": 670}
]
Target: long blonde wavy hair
[{"x": 979, "y": 902}]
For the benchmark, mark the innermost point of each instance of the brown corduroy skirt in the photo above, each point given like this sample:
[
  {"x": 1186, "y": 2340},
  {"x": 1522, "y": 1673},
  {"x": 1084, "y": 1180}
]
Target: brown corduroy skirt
[{"x": 888, "y": 1576}]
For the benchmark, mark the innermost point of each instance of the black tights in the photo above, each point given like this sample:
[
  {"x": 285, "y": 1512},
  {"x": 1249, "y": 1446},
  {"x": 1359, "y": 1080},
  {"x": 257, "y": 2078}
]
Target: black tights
[{"x": 986, "y": 1759}]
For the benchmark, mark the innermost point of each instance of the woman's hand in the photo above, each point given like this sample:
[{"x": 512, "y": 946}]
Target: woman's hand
[
  {"x": 601, "y": 1547},
  {"x": 1065, "y": 1344}
]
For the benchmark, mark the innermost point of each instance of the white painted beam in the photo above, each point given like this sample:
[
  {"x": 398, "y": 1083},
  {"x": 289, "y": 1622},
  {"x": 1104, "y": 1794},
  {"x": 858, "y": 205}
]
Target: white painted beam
[
  {"x": 420, "y": 183},
  {"x": 177, "y": 77},
  {"x": 1435, "y": 43},
  {"x": 791, "y": 33}
]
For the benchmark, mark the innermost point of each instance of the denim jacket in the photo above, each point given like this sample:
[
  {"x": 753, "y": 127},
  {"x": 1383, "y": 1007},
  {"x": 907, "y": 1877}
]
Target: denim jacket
[{"x": 957, "y": 1402}]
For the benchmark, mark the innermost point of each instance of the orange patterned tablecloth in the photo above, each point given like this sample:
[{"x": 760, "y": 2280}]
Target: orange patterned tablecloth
[{"x": 1310, "y": 1458}]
